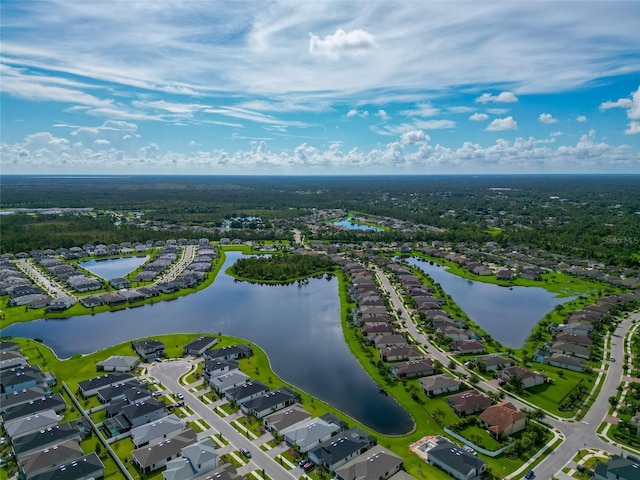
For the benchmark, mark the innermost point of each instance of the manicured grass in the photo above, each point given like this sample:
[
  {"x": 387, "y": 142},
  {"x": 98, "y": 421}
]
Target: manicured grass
[{"x": 485, "y": 440}]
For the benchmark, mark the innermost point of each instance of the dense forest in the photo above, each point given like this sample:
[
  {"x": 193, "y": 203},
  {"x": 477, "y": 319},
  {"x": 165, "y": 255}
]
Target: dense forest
[
  {"x": 589, "y": 216},
  {"x": 280, "y": 268}
]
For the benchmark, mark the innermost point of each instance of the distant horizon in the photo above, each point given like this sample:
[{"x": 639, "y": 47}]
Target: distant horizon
[{"x": 320, "y": 88}]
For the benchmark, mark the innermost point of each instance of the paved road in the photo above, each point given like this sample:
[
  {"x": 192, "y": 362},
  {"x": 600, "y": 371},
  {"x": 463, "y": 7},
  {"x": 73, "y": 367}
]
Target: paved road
[
  {"x": 168, "y": 374},
  {"x": 187, "y": 257},
  {"x": 51, "y": 287},
  {"x": 577, "y": 435}
]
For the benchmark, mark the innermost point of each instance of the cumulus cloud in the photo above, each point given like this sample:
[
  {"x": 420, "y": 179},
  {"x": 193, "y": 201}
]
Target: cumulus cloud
[
  {"x": 581, "y": 119},
  {"x": 634, "y": 128},
  {"x": 547, "y": 118},
  {"x": 479, "y": 117},
  {"x": 500, "y": 124},
  {"x": 414, "y": 136},
  {"x": 101, "y": 141},
  {"x": 357, "y": 113},
  {"x": 502, "y": 97},
  {"x": 342, "y": 43},
  {"x": 384, "y": 116}
]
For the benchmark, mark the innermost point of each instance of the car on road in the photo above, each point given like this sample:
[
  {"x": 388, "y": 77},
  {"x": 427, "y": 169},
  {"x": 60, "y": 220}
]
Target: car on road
[
  {"x": 181, "y": 396},
  {"x": 246, "y": 453},
  {"x": 529, "y": 474},
  {"x": 613, "y": 359}
]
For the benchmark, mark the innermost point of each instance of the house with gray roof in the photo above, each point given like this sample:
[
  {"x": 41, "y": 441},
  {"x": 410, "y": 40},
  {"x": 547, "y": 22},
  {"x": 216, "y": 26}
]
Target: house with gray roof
[
  {"x": 199, "y": 346},
  {"x": 225, "y": 472},
  {"x": 400, "y": 352},
  {"x": 51, "y": 402},
  {"x": 270, "y": 402},
  {"x": 33, "y": 423},
  {"x": 564, "y": 348},
  {"x": 14, "y": 399},
  {"x": 413, "y": 368},
  {"x": 457, "y": 462},
  {"x": 84, "y": 468},
  {"x": 196, "y": 460},
  {"x": 120, "y": 391},
  {"x": 231, "y": 352},
  {"x": 43, "y": 438},
  {"x": 439, "y": 384},
  {"x": 285, "y": 418},
  {"x": 246, "y": 391},
  {"x": 20, "y": 378},
  {"x": 148, "y": 349},
  {"x": 389, "y": 340},
  {"x": 228, "y": 380},
  {"x": 158, "y": 454},
  {"x": 494, "y": 362},
  {"x": 90, "y": 387},
  {"x": 163, "y": 428},
  {"x": 310, "y": 434},
  {"x": 375, "y": 464},
  {"x": 566, "y": 361},
  {"x": 118, "y": 363},
  {"x": 618, "y": 468},
  {"x": 144, "y": 412},
  {"x": 48, "y": 458},
  {"x": 213, "y": 368},
  {"x": 341, "y": 448}
]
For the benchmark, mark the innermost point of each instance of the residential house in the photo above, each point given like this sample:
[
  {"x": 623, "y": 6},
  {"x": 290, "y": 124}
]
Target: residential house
[
  {"x": 90, "y": 387},
  {"x": 112, "y": 298},
  {"x": 469, "y": 402},
  {"x": 564, "y": 348},
  {"x": 576, "y": 339},
  {"x": 456, "y": 334},
  {"x": 149, "y": 432},
  {"x": 199, "y": 346},
  {"x": 400, "y": 352},
  {"x": 20, "y": 378},
  {"x": 43, "y": 460},
  {"x": 439, "y": 384},
  {"x": 503, "y": 419},
  {"x": 372, "y": 331},
  {"x": 246, "y": 391},
  {"x": 567, "y": 362},
  {"x": 504, "y": 275},
  {"x": 33, "y": 423},
  {"x": 618, "y": 468},
  {"x": 126, "y": 390},
  {"x": 228, "y": 380},
  {"x": 214, "y": 368},
  {"x": 149, "y": 349},
  {"x": 91, "y": 301},
  {"x": 119, "y": 283},
  {"x": 196, "y": 460},
  {"x": 82, "y": 468},
  {"x": 528, "y": 378},
  {"x": 309, "y": 434},
  {"x": 468, "y": 346},
  {"x": 44, "y": 438},
  {"x": 375, "y": 464},
  {"x": 50, "y": 402},
  {"x": 118, "y": 363},
  {"x": 14, "y": 399},
  {"x": 341, "y": 448},
  {"x": 232, "y": 352},
  {"x": 158, "y": 454},
  {"x": 270, "y": 402},
  {"x": 412, "y": 368},
  {"x": 144, "y": 412},
  {"x": 389, "y": 340},
  {"x": 493, "y": 362},
  {"x": 457, "y": 462},
  {"x": 225, "y": 472},
  {"x": 285, "y": 418}
]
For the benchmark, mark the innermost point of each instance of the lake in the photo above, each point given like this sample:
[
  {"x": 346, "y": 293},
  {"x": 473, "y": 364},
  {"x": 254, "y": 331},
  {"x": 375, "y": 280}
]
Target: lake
[
  {"x": 508, "y": 314},
  {"x": 113, "y": 267},
  {"x": 350, "y": 225},
  {"x": 297, "y": 325}
]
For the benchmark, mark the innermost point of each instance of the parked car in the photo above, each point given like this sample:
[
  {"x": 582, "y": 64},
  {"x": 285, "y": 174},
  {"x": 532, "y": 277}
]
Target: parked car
[
  {"x": 246, "y": 453},
  {"x": 529, "y": 474},
  {"x": 308, "y": 466}
]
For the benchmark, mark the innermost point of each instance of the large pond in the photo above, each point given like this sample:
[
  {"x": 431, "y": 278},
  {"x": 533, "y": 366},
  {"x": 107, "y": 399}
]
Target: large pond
[
  {"x": 349, "y": 224},
  {"x": 508, "y": 314},
  {"x": 114, "y": 267},
  {"x": 297, "y": 325}
]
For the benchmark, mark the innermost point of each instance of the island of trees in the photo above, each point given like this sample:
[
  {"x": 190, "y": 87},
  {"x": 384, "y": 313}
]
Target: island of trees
[{"x": 281, "y": 268}]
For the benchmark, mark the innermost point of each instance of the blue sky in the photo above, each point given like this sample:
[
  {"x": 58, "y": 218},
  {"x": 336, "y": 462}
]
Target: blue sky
[{"x": 376, "y": 87}]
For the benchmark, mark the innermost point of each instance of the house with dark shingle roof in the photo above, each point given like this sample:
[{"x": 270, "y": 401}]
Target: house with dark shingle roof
[
  {"x": 412, "y": 368},
  {"x": 270, "y": 402},
  {"x": 457, "y": 462},
  {"x": 494, "y": 362},
  {"x": 50, "y": 402},
  {"x": 85, "y": 467},
  {"x": 567, "y": 362},
  {"x": 149, "y": 349},
  {"x": 151, "y": 431},
  {"x": 43, "y": 460},
  {"x": 214, "y": 368},
  {"x": 90, "y": 387},
  {"x": 199, "y": 346},
  {"x": 400, "y": 352},
  {"x": 196, "y": 459},
  {"x": 468, "y": 402},
  {"x": 341, "y": 448},
  {"x": 246, "y": 391},
  {"x": 14, "y": 399},
  {"x": 375, "y": 464},
  {"x": 286, "y": 418},
  {"x": 45, "y": 437},
  {"x": 158, "y": 454},
  {"x": 232, "y": 352},
  {"x": 618, "y": 468},
  {"x": 529, "y": 379}
]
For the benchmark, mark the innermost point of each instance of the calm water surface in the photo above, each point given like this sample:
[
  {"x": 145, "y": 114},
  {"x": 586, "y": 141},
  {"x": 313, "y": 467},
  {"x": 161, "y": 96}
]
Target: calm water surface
[
  {"x": 114, "y": 267},
  {"x": 507, "y": 314},
  {"x": 356, "y": 226},
  {"x": 297, "y": 326}
]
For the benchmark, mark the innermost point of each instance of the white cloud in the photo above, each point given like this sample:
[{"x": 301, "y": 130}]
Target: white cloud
[
  {"x": 500, "y": 124},
  {"x": 503, "y": 97},
  {"x": 101, "y": 141},
  {"x": 497, "y": 111},
  {"x": 631, "y": 104},
  {"x": 384, "y": 116},
  {"x": 414, "y": 136},
  {"x": 357, "y": 113},
  {"x": 342, "y": 43},
  {"x": 352, "y": 113},
  {"x": 581, "y": 119},
  {"x": 421, "y": 110},
  {"x": 634, "y": 128},
  {"x": 394, "y": 130},
  {"x": 547, "y": 118},
  {"x": 479, "y": 117}
]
